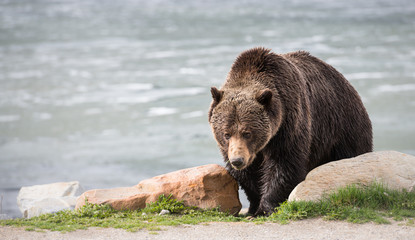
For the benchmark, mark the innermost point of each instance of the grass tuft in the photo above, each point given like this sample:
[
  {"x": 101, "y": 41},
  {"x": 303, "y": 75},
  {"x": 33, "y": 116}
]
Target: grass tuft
[
  {"x": 165, "y": 203},
  {"x": 354, "y": 203},
  {"x": 357, "y": 204}
]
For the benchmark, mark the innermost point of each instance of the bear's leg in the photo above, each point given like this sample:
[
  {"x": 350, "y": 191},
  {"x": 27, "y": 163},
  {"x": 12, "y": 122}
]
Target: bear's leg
[
  {"x": 351, "y": 149},
  {"x": 278, "y": 184},
  {"x": 248, "y": 179},
  {"x": 342, "y": 152},
  {"x": 253, "y": 198}
]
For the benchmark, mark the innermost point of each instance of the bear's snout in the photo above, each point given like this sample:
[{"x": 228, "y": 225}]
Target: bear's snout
[
  {"x": 237, "y": 163},
  {"x": 238, "y": 154}
]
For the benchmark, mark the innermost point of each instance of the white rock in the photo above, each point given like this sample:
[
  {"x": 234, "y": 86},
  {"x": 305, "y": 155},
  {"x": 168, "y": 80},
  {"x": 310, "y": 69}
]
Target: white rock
[
  {"x": 48, "y": 198},
  {"x": 164, "y": 212},
  {"x": 395, "y": 170},
  {"x": 49, "y": 205}
]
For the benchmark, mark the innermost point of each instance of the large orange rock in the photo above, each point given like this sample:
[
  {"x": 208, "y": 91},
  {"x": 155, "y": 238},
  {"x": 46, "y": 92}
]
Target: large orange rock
[{"x": 207, "y": 186}]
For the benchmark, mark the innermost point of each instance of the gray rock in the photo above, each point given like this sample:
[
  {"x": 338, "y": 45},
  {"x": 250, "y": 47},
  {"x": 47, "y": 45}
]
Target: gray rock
[
  {"x": 394, "y": 169},
  {"x": 48, "y": 198}
]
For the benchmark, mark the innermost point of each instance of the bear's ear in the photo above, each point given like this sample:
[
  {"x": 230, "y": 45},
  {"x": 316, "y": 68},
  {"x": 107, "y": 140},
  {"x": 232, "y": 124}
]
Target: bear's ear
[
  {"x": 264, "y": 97},
  {"x": 216, "y": 94}
]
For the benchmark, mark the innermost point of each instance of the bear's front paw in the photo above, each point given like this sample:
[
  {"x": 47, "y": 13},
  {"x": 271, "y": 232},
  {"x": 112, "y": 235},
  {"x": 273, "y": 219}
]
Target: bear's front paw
[
  {"x": 252, "y": 209},
  {"x": 263, "y": 211}
]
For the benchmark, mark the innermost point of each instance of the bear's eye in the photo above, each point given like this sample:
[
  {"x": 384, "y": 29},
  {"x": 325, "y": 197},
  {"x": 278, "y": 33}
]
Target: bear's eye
[
  {"x": 246, "y": 135},
  {"x": 227, "y": 136}
]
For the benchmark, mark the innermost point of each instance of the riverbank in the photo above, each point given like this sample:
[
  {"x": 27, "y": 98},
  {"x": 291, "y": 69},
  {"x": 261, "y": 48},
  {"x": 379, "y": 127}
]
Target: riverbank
[{"x": 305, "y": 229}]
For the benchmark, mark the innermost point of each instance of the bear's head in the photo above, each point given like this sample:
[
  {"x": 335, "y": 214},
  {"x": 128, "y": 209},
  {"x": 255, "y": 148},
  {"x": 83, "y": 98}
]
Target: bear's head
[{"x": 243, "y": 122}]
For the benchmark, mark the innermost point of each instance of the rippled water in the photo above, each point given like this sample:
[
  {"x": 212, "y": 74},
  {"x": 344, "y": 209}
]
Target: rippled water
[{"x": 113, "y": 92}]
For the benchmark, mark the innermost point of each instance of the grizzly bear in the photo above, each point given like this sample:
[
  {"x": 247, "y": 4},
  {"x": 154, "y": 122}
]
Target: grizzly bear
[{"x": 278, "y": 116}]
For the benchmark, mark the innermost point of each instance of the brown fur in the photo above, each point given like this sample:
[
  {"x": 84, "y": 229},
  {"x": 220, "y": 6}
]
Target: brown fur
[{"x": 279, "y": 116}]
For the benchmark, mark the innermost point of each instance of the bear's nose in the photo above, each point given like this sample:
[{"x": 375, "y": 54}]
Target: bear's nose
[{"x": 237, "y": 162}]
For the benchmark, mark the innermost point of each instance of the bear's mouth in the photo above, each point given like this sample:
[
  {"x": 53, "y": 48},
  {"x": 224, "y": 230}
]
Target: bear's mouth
[
  {"x": 241, "y": 163},
  {"x": 237, "y": 167}
]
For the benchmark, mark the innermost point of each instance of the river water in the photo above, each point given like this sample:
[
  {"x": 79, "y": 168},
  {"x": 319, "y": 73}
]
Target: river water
[{"x": 112, "y": 92}]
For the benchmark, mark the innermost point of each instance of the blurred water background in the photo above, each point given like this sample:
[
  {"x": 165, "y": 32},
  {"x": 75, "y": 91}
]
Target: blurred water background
[{"x": 112, "y": 92}]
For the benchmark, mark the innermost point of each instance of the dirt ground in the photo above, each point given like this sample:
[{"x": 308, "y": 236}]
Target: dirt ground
[{"x": 305, "y": 229}]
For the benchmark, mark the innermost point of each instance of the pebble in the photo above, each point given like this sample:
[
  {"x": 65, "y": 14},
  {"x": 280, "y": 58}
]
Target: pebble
[{"x": 164, "y": 212}]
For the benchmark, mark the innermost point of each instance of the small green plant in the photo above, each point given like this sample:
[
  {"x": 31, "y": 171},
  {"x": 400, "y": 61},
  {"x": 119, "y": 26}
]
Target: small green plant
[
  {"x": 357, "y": 204},
  {"x": 95, "y": 211},
  {"x": 165, "y": 203}
]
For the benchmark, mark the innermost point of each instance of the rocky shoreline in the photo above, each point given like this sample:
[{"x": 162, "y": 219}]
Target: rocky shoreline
[{"x": 210, "y": 186}]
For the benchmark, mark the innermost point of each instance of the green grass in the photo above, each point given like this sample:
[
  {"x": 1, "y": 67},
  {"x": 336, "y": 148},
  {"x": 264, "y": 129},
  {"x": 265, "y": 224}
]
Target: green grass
[
  {"x": 91, "y": 215},
  {"x": 357, "y": 204}
]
